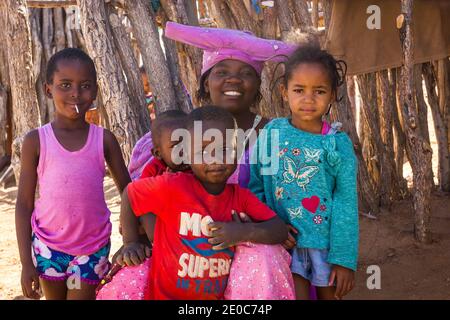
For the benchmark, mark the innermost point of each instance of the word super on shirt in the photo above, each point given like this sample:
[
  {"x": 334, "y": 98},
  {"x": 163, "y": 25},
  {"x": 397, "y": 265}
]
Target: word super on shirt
[{"x": 184, "y": 265}]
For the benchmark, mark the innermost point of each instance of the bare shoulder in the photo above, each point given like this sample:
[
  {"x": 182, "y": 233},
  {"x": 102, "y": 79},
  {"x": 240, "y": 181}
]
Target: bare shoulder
[
  {"x": 32, "y": 136},
  {"x": 30, "y": 149},
  {"x": 31, "y": 141},
  {"x": 109, "y": 139},
  {"x": 108, "y": 135},
  {"x": 111, "y": 147}
]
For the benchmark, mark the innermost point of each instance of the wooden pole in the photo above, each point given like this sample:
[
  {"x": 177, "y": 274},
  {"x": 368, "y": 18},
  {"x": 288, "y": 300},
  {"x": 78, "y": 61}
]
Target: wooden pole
[
  {"x": 401, "y": 148},
  {"x": 315, "y": 13},
  {"x": 50, "y": 4},
  {"x": 368, "y": 201},
  {"x": 397, "y": 189},
  {"x": 23, "y": 90},
  {"x": 421, "y": 106},
  {"x": 70, "y": 19},
  {"x": 439, "y": 127},
  {"x": 147, "y": 35},
  {"x": 420, "y": 149},
  {"x": 270, "y": 22},
  {"x": 221, "y": 13},
  {"x": 184, "y": 75},
  {"x": 446, "y": 110},
  {"x": 381, "y": 171},
  {"x": 38, "y": 56},
  {"x": 184, "y": 61},
  {"x": 3, "y": 121},
  {"x": 5, "y": 91},
  {"x": 130, "y": 67},
  {"x": 327, "y": 6},
  {"x": 242, "y": 17},
  {"x": 302, "y": 13},
  {"x": 60, "y": 35},
  {"x": 47, "y": 32},
  {"x": 286, "y": 18},
  {"x": 122, "y": 115}
]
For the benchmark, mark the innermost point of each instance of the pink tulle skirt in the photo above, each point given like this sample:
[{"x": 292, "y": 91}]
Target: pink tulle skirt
[
  {"x": 129, "y": 283},
  {"x": 260, "y": 272}
]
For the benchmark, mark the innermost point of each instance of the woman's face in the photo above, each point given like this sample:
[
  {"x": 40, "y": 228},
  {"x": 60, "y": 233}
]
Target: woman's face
[{"x": 233, "y": 85}]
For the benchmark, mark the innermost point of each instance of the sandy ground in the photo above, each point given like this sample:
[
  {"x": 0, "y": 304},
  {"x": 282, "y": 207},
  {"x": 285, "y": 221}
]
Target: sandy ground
[{"x": 408, "y": 270}]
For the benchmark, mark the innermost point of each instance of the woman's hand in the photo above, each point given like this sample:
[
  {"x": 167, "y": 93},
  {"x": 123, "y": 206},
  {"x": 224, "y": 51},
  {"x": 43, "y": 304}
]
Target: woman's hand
[
  {"x": 345, "y": 280},
  {"x": 30, "y": 282},
  {"x": 290, "y": 242},
  {"x": 133, "y": 254}
]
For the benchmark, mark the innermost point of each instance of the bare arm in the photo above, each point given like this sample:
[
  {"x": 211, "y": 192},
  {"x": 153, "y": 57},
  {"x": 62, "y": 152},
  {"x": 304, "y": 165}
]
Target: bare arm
[
  {"x": 24, "y": 210},
  {"x": 133, "y": 252},
  {"x": 227, "y": 234},
  {"x": 148, "y": 221},
  {"x": 129, "y": 222},
  {"x": 272, "y": 231},
  {"x": 114, "y": 159}
]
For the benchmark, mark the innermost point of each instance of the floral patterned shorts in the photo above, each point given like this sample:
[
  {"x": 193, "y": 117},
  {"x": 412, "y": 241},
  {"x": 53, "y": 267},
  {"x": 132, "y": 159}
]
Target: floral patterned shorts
[{"x": 60, "y": 266}]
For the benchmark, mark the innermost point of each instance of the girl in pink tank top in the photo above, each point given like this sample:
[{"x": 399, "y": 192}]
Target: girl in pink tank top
[{"x": 67, "y": 227}]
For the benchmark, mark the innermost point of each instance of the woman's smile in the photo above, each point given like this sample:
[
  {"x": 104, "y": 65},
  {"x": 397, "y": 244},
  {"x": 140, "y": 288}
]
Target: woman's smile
[{"x": 233, "y": 93}]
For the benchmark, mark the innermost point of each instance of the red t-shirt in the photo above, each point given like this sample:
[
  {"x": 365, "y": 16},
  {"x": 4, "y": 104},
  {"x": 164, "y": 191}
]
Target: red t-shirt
[
  {"x": 184, "y": 266},
  {"x": 154, "y": 168}
]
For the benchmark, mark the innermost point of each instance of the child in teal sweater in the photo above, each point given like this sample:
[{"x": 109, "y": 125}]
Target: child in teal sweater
[{"x": 313, "y": 185}]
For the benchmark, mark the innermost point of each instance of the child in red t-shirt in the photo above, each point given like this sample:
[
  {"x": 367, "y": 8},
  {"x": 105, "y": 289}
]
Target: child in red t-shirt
[
  {"x": 130, "y": 282},
  {"x": 195, "y": 229},
  {"x": 163, "y": 144}
]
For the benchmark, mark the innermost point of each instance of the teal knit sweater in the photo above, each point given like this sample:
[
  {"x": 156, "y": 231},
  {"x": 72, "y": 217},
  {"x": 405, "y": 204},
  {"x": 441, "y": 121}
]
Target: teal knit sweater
[{"x": 313, "y": 188}]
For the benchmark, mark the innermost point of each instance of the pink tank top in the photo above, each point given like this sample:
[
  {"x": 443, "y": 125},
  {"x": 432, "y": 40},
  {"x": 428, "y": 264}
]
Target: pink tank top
[{"x": 70, "y": 214}]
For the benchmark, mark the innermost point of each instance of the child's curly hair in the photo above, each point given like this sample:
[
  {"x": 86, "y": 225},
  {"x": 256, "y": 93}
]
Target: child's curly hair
[{"x": 336, "y": 69}]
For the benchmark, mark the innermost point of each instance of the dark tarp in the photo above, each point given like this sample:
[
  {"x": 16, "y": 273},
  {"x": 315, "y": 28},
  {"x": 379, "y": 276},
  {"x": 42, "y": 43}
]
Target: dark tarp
[{"x": 367, "y": 50}]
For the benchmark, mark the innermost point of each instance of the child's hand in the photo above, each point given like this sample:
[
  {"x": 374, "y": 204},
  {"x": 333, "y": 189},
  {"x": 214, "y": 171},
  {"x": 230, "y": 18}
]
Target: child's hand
[
  {"x": 242, "y": 217},
  {"x": 227, "y": 234},
  {"x": 345, "y": 280},
  {"x": 133, "y": 254},
  {"x": 290, "y": 242},
  {"x": 109, "y": 276},
  {"x": 114, "y": 257},
  {"x": 30, "y": 282}
]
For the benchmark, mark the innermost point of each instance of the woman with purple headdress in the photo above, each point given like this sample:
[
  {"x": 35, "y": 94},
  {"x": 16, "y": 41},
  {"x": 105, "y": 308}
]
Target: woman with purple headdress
[{"x": 230, "y": 78}]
